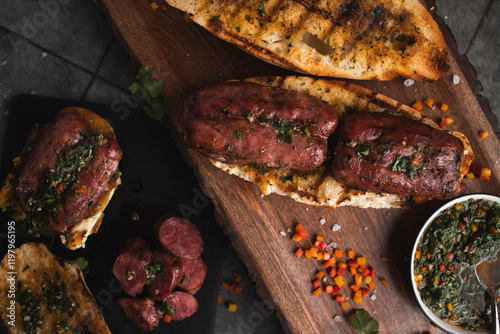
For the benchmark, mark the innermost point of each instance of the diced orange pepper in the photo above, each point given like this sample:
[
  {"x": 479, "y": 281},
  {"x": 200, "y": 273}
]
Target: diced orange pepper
[
  {"x": 333, "y": 272},
  {"x": 338, "y": 253},
  {"x": 167, "y": 318},
  {"x": 219, "y": 299},
  {"x": 319, "y": 257},
  {"x": 429, "y": 102},
  {"x": 154, "y": 5},
  {"x": 237, "y": 276},
  {"x": 444, "y": 107},
  {"x": 328, "y": 289},
  {"x": 302, "y": 233},
  {"x": 299, "y": 252},
  {"x": 344, "y": 305},
  {"x": 372, "y": 285},
  {"x": 355, "y": 287},
  {"x": 314, "y": 252},
  {"x": 363, "y": 270},
  {"x": 361, "y": 260},
  {"x": 236, "y": 287},
  {"x": 469, "y": 175},
  {"x": 298, "y": 227},
  {"x": 461, "y": 225},
  {"x": 352, "y": 262},
  {"x": 383, "y": 258},
  {"x": 423, "y": 269},
  {"x": 449, "y": 120},
  {"x": 483, "y": 134},
  {"x": 350, "y": 254},
  {"x": 428, "y": 255},
  {"x": 358, "y": 278},
  {"x": 417, "y": 105},
  {"x": 330, "y": 262},
  {"x": 353, "y": 271},
  {"x": 339, "y": 280},
  {"x": 418, "y": 253},
  {"x": 357, "y": 293},
  {"x": 80, "y": 190},
  {"x": 485, "y": 174},
  {"x": 384, "y": 282},
  {"x": 320, "y": 274},
  {"x": 296, "y": 237},
  {"x": 326, "y": 256},
  {"x": 317, "y": 292},
  {"x": 307, "y": 254},
  {"x": 441, "y": 267},
  {"x": 493, "y": 230},
  {"x": 225, "y": 285},
  {"x": 448, "y": 255},
  {"x": 367, "y": 279},
  {"x": 232, "y": 307},
  {"x": 319, "y": 237},
  {"x": 339, "y": 298}
]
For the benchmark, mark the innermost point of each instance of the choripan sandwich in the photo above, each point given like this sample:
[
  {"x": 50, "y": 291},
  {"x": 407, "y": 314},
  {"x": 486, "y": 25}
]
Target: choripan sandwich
[
  {"x": 325, "y": 142},
  {"x": 40, "y": 293},
  {"x": 64, "y": 177},
  {"x": 361, "y": 39}
]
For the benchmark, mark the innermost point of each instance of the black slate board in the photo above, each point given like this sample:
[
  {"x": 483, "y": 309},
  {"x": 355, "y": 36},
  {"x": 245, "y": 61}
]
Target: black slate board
[{"x": 155, "y": 180}]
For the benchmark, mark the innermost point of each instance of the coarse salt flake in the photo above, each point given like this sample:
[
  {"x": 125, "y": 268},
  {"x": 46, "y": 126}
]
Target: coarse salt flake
[
  {"x": 332, "y": 244},
  {"x": 3, "y": 63},
  {"x": 283, "y": 233},
  {"x": 336, "y": 227},
  {"x": 456, "y": 79},
  {"x": 373, "y": 297},
  {"x": 262, "y": 195},
  {"x": 338, "y": 318},
  {"x": 44, "y": 54},
  {"x": 366, "y": 228},
  {"x": 466, "y": 152},
  {"x": 289, "y": 230},
  {"x": 322, "y": 221},
  {"x": 409, "y": 82}
]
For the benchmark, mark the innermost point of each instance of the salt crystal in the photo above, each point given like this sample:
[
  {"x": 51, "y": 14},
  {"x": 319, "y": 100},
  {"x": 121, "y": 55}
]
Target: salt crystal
[
  {"x": 373, "y": 297},
  {"x": 3, "y": 63},
  {"x": 466, "y": 152},
  {"x": 289, "y": 230},
  {"x": 456, "y": 79},
  {"x": 446, "y": 17},
  {"x": 33, "y": 92},
  {"x": 338, "y": 318},
  {"x": 262, "y": 195},
  {"x": 324, "y": 279},
  {"x": 44, "y": 54},
  {"x": 409, "y": 82},
  {"x": 366, "y": 228},
  {"x": 307, "y": 209},
  {"x": 336, "y": 227},
  {"x": 333, "y": 244},
  {"x": 283, "y": 233},
  {"x": 322, "y": 221}
]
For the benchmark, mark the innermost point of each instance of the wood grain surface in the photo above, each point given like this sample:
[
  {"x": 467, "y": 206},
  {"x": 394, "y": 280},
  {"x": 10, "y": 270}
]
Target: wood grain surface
[{"x": 187, "y": 58}]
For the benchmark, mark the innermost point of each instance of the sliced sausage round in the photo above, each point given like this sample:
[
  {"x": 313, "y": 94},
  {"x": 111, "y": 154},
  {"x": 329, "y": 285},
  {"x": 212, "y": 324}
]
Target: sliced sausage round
[
  {"x": 142, "y": 312},
  {"x": 179, "y": 236},
  {"x": 129, "y": 267},
  {"x": 184, "y": 304},
  {"x": 168, "y": 279},
  {"x": 195, "y": 271}
]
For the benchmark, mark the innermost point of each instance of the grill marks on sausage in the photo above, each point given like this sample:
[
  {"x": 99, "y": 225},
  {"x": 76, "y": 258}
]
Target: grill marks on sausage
[
  {"x": 379, "y": 152},
  {"x": 246, "y": 123}
]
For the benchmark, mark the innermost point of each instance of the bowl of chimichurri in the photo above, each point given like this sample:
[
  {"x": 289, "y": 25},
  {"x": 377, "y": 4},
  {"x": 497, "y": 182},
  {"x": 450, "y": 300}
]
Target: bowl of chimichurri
[{"x": 462, "y": 233}]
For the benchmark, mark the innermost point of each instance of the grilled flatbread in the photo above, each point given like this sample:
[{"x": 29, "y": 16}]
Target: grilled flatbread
[
  {"x": 320, "y": 188},
  {"x": 49, "y": 295},
  {"x": 361, "y": 39}
]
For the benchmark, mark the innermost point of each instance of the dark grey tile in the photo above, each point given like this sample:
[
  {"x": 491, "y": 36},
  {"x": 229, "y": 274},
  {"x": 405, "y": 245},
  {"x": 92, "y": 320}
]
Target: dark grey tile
[
  {"x": 462, "y": 17},
  {"x": 483, "y": 55},
  {"x": 116, "y": 67},
  {"x": 27, "y": 69},
  {"x": 105, "y": 93},
  {"x": 75, "y": 30}
]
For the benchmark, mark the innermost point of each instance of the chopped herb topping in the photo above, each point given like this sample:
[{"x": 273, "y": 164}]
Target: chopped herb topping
[{"x": 239, "y": 134}]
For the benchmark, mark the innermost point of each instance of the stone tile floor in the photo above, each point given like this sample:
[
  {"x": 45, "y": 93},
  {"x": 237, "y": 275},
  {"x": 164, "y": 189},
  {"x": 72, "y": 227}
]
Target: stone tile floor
[{"x": 65, "y": 49}]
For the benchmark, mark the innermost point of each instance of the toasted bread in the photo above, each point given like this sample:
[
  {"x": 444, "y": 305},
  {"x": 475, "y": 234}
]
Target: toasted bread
[
  {"x": 319, "y": 187},
  {"x": 76, "y": 236},
  {"x": 31, "y": 273},
  {"x": 363, "y": 39}
]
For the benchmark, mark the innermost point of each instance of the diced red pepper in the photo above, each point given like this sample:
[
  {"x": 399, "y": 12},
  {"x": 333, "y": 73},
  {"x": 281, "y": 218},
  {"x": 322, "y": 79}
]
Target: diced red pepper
[
  {"x": 335, "y": 289},
  {"x": 321, "y": 245},
  {"x": 302, "y": 233},
  {"x": 333, "y": 272},
  {"x": 316, "y": 283},
  {"x": 236, "y": 287},
  {"x": 299, "y": 252},
  {"x": 365, "y": 292},
  {"x": 328, "y": 289},
  {"x": 340, "y": 298},
  {"x": 443, "y": 122},
  {"x": 352, "y": 262},
  {"x": 373, "y": 272},
  {"x": 60, "y": 187}
]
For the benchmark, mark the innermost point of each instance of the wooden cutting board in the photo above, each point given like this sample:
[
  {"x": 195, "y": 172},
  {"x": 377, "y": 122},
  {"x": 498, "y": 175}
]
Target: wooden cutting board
[{"x": 187, "y": 58}]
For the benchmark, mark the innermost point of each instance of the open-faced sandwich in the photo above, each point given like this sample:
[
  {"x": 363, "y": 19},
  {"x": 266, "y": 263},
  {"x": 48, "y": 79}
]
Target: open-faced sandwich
[
  {"x": 325, "y": 142},
  {"x": 374, "y": 39},
  {"x": 40, "y": 293},
  {"x": 64, "y": 177}
]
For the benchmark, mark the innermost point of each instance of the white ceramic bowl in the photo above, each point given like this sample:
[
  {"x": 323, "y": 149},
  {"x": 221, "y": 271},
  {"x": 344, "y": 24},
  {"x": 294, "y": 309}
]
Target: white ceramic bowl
[{"x": 443, "y": 325}]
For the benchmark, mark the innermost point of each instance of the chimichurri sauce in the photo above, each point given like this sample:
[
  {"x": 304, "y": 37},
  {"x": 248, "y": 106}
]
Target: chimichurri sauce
[{"x": 458, "y": 238}]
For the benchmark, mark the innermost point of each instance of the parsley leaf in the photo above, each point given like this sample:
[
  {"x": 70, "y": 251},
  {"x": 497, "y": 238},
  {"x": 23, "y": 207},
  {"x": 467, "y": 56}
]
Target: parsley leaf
[
  {"x": 151, "y": 91},
  {"x": 83, "y": 264},
  {"x": 363, "y": 323}
]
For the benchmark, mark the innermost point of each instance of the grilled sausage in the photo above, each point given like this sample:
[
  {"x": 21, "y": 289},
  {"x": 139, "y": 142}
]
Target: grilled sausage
[
  {"x": 246, "y": 123},
  {"x": 380, "y": 152},
  {"x": 179, "y": 236},
  {"x": 183, "y": 304},
  {"x": 168, "y": 279},
  {"x": 195, "y": 271},
  {"x": 142, "y": 312}
]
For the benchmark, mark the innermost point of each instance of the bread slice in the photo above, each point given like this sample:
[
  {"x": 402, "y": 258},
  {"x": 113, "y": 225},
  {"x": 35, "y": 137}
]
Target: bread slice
[
  {"x": 40, "y": 277},
  {"x": 360, "y": 39},
  {"x": 320, "y": 188},
  {"x": 75, "y": 237}
]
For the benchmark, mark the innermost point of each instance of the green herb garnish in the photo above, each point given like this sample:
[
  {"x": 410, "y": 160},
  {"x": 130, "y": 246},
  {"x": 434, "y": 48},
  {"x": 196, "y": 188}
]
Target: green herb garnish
[
  {"x": 363, "y": 323},
  {"x": 151, "y": 91},
  {"x": 83, "y": 264},
  {"x": 239, "y": 134}
]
